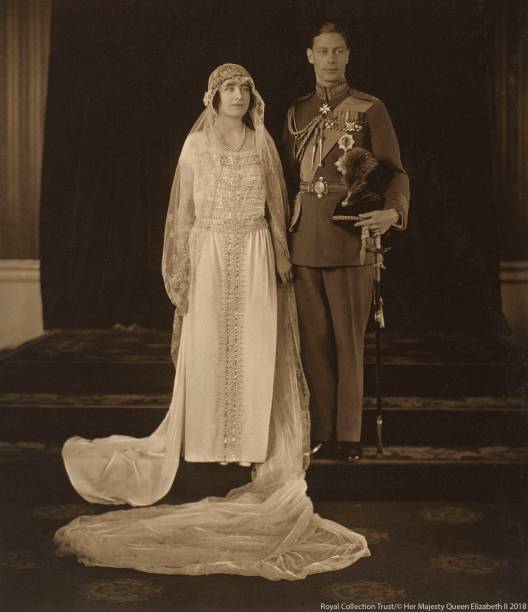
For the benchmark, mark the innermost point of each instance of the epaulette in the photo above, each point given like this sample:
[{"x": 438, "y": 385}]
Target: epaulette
[
  {"x": 302, "y": 98},
  {"x": 363, "y": 96}
]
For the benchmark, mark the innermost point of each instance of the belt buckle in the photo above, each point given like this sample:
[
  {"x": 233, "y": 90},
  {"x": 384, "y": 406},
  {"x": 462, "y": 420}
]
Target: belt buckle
[{"x": 320, "y": 187}]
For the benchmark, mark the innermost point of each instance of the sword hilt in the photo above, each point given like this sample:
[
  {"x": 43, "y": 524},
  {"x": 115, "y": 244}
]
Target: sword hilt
[{"x": 379, "y": 317}]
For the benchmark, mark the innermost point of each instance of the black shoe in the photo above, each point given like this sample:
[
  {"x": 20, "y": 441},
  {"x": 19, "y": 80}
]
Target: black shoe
[
  {"x": 323, "y": 450},
  {"x": 349, "y": 451}
]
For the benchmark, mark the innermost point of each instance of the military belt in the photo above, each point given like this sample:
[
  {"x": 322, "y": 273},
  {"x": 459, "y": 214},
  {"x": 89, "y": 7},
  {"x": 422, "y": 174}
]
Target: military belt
[{"x": 321, "y": 187}]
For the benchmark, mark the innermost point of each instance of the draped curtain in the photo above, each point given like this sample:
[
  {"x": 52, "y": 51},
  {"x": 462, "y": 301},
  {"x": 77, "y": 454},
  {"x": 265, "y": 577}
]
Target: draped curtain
[
  {"x": 125, "y": 85},
  {"x": 510, "y": 127}
]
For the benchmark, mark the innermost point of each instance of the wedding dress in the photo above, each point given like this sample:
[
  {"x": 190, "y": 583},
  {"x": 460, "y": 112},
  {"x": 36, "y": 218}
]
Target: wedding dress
[{"x": 232, "y": 405}]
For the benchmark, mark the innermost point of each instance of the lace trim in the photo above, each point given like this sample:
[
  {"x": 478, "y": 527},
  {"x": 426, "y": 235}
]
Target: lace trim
[
  {"x": 230, "y": 410},
  {"x": 177, "y": 276},
  {"x": 242, "y": 159},
  {"x": 302, "y": 385},
  {"x": 238, "y": 226}
]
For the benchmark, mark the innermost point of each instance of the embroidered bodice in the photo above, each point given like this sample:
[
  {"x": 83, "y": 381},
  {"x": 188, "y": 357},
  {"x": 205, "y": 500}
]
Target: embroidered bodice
[
  {"x": 219, "y": 189},
  {"x": 229, "y": 191}
]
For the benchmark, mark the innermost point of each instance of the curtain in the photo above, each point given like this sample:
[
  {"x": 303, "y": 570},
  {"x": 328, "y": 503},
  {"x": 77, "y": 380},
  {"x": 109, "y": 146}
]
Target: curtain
[
  {"x": 510, "y": 127},
  {"x": 125, "y": 84}
]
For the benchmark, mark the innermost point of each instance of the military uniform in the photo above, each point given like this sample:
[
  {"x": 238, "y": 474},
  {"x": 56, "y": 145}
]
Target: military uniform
[{"x": 333, "y": 279}]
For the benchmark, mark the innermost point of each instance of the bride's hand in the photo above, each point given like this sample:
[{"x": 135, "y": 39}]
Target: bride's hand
[{"x": 284, "y": 268}]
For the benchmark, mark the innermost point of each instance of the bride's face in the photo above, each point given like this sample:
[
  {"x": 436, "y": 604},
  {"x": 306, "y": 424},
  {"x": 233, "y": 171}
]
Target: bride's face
[{"x": 235, "y": 98}]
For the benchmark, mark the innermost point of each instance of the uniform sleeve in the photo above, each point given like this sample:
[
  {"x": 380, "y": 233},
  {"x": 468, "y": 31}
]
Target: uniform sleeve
[{"x": 386, "y": 149}]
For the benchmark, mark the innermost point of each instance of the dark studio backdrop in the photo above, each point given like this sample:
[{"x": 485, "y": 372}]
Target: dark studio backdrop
[{"x": 126, "y": 81}]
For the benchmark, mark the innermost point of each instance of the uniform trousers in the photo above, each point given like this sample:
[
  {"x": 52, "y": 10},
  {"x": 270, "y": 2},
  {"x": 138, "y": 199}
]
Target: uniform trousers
[{"x": 333, "y": 306}]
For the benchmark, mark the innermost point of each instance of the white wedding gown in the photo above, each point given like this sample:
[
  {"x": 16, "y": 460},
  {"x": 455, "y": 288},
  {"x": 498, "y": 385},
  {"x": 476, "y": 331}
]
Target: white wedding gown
[{"x": 268, "y": 527}]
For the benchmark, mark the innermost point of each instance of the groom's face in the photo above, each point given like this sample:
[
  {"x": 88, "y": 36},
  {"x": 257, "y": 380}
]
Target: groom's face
[{"x": 329, "y": 56}]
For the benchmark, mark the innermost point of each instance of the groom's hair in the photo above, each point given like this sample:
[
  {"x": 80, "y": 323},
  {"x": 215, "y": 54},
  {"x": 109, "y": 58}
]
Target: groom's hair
[{"x": 327, "y": 27}]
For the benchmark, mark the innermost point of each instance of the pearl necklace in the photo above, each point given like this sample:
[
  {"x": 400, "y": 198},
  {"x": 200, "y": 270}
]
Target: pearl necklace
[{"x": 238, "y": 148}]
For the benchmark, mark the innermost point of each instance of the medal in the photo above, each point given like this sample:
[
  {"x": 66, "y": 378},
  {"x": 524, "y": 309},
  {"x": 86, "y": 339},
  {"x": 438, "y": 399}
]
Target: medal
[{"x": 325, "y": 109}]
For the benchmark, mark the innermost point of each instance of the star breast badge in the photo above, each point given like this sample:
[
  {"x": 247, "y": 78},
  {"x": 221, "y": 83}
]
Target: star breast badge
[{"x": 346, "y": 142}]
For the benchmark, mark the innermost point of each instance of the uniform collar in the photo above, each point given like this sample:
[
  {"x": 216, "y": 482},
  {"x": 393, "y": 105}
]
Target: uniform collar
[{"x": 328, "y": 93}]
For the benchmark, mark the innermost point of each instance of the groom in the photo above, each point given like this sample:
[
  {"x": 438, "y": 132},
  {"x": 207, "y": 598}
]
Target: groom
[{"x": 333, "y": 274}]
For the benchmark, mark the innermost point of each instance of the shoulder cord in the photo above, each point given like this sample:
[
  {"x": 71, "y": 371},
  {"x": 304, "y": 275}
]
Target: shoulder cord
[{"x": 301, "y": 136}]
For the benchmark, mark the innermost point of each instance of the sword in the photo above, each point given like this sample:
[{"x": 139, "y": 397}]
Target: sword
[{"x": 379, "y": 319}]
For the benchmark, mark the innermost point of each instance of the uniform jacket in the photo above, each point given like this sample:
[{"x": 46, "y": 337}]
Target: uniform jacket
[{"x": 316, "y": 241}]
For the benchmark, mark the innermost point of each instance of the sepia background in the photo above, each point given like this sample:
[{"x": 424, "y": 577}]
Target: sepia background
[{"x": 98, "y": 97}]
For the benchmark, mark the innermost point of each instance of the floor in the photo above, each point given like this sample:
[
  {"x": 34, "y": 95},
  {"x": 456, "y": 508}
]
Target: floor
[
  {"x": 444, "y": 512},
  {"x": 422, "y": 552}
]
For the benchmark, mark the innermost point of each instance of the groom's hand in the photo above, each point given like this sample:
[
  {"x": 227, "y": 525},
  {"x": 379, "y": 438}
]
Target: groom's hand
[{"x": 379, "y": 221}]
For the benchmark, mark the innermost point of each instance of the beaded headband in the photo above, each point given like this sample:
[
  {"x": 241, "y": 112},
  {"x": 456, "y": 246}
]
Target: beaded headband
[{"x": 231, "y": 71}]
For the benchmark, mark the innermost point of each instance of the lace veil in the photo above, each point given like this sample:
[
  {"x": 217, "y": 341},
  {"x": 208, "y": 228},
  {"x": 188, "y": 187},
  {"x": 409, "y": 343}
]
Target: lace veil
[
  {"x": 266, "y": 528},
  {"x": 176, "y": 267}
]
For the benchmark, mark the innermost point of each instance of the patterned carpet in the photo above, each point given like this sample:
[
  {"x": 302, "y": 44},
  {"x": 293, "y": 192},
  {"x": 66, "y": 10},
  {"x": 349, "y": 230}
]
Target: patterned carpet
[
  {"x": 137, "y": 344},
  {"x": 137, "y": 360},
  {"x": 456, "y": 425},
  {"x": 421, "y": 553}
]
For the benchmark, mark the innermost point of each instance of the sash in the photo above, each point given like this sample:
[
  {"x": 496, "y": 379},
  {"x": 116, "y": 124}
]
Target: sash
[{"x": 350, "y": 107}]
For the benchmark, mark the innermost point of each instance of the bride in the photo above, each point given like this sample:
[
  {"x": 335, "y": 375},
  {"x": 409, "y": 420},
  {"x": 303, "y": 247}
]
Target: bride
[{"x": 239, "y": 392}]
